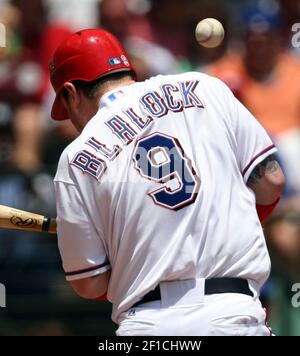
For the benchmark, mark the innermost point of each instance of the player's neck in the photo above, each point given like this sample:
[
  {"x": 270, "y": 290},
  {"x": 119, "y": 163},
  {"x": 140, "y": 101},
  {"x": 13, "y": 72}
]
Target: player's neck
[
  {"x": 112, "y": 85},
  {"x": 89, "y": 107}
]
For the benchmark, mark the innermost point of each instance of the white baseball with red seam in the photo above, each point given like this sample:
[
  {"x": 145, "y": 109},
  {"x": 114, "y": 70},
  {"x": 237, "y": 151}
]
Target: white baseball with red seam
[{"x": 209, "y": 33}]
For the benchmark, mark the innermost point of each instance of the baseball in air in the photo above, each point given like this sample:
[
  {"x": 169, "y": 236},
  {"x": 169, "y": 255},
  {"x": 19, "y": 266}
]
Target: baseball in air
[{"x": 209, "y": 33}]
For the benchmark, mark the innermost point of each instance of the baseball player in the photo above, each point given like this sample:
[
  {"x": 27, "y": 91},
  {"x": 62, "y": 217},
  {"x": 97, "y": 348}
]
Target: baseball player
[{"x": 160, "y": 198}]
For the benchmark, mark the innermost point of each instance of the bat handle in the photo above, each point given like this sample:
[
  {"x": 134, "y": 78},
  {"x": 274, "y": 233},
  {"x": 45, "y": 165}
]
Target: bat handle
[{"x": 49, "y": 225}]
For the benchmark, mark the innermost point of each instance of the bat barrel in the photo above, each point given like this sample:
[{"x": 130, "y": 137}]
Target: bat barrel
[{"x": 11, "y": 218}]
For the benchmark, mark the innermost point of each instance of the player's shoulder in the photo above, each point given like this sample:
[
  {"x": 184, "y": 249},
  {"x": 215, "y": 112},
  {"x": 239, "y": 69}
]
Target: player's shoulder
[
  {"x": 63, "y": 172},
  {"x": 72, "y": 148},
  {"x": 178, "y": 77},
  {"x": 203, "y": 78}
]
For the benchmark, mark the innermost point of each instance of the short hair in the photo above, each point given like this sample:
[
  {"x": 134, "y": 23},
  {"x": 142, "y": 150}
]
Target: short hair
[{"x": 92, "y": 89}]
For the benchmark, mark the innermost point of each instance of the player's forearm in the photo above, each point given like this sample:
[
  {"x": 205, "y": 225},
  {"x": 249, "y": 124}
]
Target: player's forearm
[
  {"x": 92, "y": 287},
  {"x": 267, "y": 181},
  {"x": 268, "y": 192}
]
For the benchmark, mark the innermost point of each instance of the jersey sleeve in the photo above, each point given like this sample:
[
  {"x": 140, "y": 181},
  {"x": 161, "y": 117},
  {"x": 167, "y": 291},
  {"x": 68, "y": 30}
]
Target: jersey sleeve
[
  {"x": 252, "y": 142},
  {"x": 80, "y": 245}
]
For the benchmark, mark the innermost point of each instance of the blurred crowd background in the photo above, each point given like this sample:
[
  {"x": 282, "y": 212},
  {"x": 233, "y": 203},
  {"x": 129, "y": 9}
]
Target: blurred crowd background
[{"x": 259, "y": 60}]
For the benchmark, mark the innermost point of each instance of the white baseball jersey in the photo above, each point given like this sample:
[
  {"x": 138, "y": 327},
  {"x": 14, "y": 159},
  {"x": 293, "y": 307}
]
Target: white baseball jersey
[{"x": 154, "y": 188}]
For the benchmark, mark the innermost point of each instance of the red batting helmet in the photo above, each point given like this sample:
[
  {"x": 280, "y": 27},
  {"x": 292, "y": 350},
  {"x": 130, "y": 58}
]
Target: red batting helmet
[{"x": 86, "y": 55}]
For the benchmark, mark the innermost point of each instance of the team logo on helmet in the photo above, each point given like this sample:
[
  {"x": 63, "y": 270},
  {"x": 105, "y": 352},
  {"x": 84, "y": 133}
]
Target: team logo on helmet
[{"x": 114, "y": 61}]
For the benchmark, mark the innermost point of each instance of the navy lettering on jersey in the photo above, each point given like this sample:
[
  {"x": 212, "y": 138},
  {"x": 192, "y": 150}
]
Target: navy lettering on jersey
[
  {"x": 88, "y": 163},
  {"x": 160, "y": 158},
  {"x": 111, "y": 154},
  {"x": 189, "y": 97},
  {"x": 121, "y": 129},
  {"x": 173, "y": 104},
  {"x": 154, "y": 104},
  {"x": 140, "y": 122}
]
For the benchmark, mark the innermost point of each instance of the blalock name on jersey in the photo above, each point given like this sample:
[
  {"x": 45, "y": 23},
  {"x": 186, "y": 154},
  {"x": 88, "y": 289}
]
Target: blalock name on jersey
[{"x": 126, "y": 127}]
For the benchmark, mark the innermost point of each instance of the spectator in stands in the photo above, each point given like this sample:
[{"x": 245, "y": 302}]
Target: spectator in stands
[
  {"x": 264, "y": 78},
  {"x": 132, "y": 22}
]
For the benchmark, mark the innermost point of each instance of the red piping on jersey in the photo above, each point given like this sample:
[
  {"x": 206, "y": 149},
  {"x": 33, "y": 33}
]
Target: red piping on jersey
[
  {"x": 87, "y": 269},
  {"x": 254, "y": 158}
]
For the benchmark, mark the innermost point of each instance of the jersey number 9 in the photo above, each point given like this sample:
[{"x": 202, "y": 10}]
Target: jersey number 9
[{"x": 160, "y": 158}]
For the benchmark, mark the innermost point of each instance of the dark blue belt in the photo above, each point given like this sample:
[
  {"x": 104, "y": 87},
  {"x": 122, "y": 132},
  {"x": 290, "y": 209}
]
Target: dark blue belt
[{"x": 212, "y": 286}]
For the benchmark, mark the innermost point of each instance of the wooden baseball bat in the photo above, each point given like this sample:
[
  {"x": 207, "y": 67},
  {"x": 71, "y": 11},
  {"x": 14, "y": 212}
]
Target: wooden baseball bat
[{"x": 11, "y": 218}]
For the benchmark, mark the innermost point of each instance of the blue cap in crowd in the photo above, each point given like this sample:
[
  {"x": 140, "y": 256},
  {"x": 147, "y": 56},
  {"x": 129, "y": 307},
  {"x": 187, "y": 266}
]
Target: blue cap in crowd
[{"x": 262, "y": 16}]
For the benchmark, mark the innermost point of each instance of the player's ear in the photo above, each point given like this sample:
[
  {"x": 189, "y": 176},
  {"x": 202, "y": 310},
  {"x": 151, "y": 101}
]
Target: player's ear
[{"x": 72, "y": 96}]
